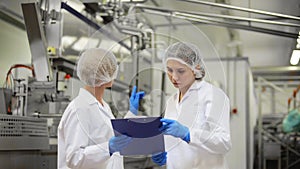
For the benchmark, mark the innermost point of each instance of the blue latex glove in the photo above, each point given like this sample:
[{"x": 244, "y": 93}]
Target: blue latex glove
[
  {"x": 135, "y": 100},
  {"x": 117, "y": 143},
  {"x": 160, "y": 158},
  {"x": 174, "y": 128}
]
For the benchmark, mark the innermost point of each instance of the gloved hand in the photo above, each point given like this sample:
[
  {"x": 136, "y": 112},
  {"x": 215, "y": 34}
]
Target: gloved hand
[
  {"x": 174, "y": 128},
  {"x": 117, "y": 143},
  {"x": 135, "y": 100},
  {"x": 160, "y": 158}
]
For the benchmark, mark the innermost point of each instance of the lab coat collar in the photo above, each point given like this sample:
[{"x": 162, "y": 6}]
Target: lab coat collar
[
  {"x": 92, "y": 101},
  {"x": 195, "y": 86},
  {"x": 89, "y": 98}
]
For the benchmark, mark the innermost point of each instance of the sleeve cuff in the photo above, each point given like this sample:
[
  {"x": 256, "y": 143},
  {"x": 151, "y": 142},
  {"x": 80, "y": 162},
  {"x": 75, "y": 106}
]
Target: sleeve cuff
[{"x": 187, "y": 138}]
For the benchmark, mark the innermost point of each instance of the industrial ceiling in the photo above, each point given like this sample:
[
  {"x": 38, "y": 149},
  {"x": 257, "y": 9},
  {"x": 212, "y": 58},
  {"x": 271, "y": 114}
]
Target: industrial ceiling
[{"x": 264, "y": 31}]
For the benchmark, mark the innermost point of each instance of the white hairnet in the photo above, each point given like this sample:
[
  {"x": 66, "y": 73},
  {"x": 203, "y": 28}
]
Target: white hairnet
[
  {"x": 96, "y": 67},
  {"x": 187, "y": 54}
]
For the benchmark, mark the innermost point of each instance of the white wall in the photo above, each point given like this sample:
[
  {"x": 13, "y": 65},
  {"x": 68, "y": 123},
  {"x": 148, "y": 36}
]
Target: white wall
[
  {"x": 239, "y": 88},
  {"x": 14, "y": 48}
]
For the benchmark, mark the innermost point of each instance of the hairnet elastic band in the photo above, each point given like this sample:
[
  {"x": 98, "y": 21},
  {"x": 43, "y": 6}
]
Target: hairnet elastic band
[{"x": 179, "y": 60}]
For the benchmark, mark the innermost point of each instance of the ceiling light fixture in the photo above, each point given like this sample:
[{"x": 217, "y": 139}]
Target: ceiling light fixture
[
  {"x": 296, "y": 53},
  {"x": 295, "y": 57}
]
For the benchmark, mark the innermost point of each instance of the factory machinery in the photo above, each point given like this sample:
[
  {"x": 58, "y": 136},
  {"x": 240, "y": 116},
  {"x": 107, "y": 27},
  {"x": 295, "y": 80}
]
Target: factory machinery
[
  {"x": 31, "y": 107},
  {"x": 277, "y": 138}
]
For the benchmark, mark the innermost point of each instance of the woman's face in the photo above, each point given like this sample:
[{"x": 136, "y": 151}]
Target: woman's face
[{"x": 180, "y": 74}]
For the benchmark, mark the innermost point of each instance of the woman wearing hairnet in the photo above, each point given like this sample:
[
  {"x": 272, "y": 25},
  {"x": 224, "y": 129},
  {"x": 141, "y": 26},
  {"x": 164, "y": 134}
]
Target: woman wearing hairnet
[
  {"x": 85, "y": 134},
  {"x": 196, "y": 121}
]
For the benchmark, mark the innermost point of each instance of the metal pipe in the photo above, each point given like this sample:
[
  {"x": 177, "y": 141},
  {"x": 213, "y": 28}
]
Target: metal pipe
[
  {"x": 154, "y": 54},
  {"x": 247, "y": 117},
  {"x": 260, "y": 151},
  {"x": 244, "y": 27},
  {"x": 272, "y": 85},
  {"x": 244, "y": 9},
  {"x": 40, "y": 115},
  {"x": 11, "y": 17},
  {"x": 195, "y": 14},
  {"x": 10, "y": 12},
  {"x": 11, "y": 20},
  {"x": 212, "y": 21},
  {"x": 281, "y": 78},
  {"x": 294, "y": 97},
  {"x": 236, "y": 26},
  {"x": 162, "y": 97},
  {"x": 273, "y": 100},
  {"x": 128, "y": 30}
]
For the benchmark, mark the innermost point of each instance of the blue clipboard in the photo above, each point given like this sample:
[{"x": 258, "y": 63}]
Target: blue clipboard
[{"x": 146, "y": 137}]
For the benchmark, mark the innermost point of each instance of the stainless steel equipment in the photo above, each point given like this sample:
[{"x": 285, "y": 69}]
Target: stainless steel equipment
[
  {"x": 5, "y": 100},
  {"x": 21, "y": 141}
]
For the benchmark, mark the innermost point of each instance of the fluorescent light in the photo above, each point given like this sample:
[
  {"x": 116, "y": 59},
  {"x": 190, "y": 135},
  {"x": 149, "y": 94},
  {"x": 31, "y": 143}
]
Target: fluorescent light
[{"x": 295, "y": 57}]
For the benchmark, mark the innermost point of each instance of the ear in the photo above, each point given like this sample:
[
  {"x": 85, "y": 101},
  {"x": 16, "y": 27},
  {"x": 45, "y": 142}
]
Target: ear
[
  {"x": 197, "y": 71},
  {"x": 198, "y": 67}
]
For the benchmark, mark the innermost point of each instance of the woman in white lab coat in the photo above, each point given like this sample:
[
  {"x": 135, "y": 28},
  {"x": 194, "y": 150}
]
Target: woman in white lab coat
[
  {"x": 85, "y": 134},
  {"x": 196, "y": 120}
]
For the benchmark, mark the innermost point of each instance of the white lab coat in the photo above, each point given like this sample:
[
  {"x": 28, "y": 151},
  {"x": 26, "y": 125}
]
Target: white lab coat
[
  {"x": 83, "y": 135},
  {"x": 204, "y": 109}
]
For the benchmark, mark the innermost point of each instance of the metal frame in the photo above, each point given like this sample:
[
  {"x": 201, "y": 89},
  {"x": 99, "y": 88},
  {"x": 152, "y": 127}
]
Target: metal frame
[
  {"x": 37, "y": 42},
  {"x": 262, "y": 131}
]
